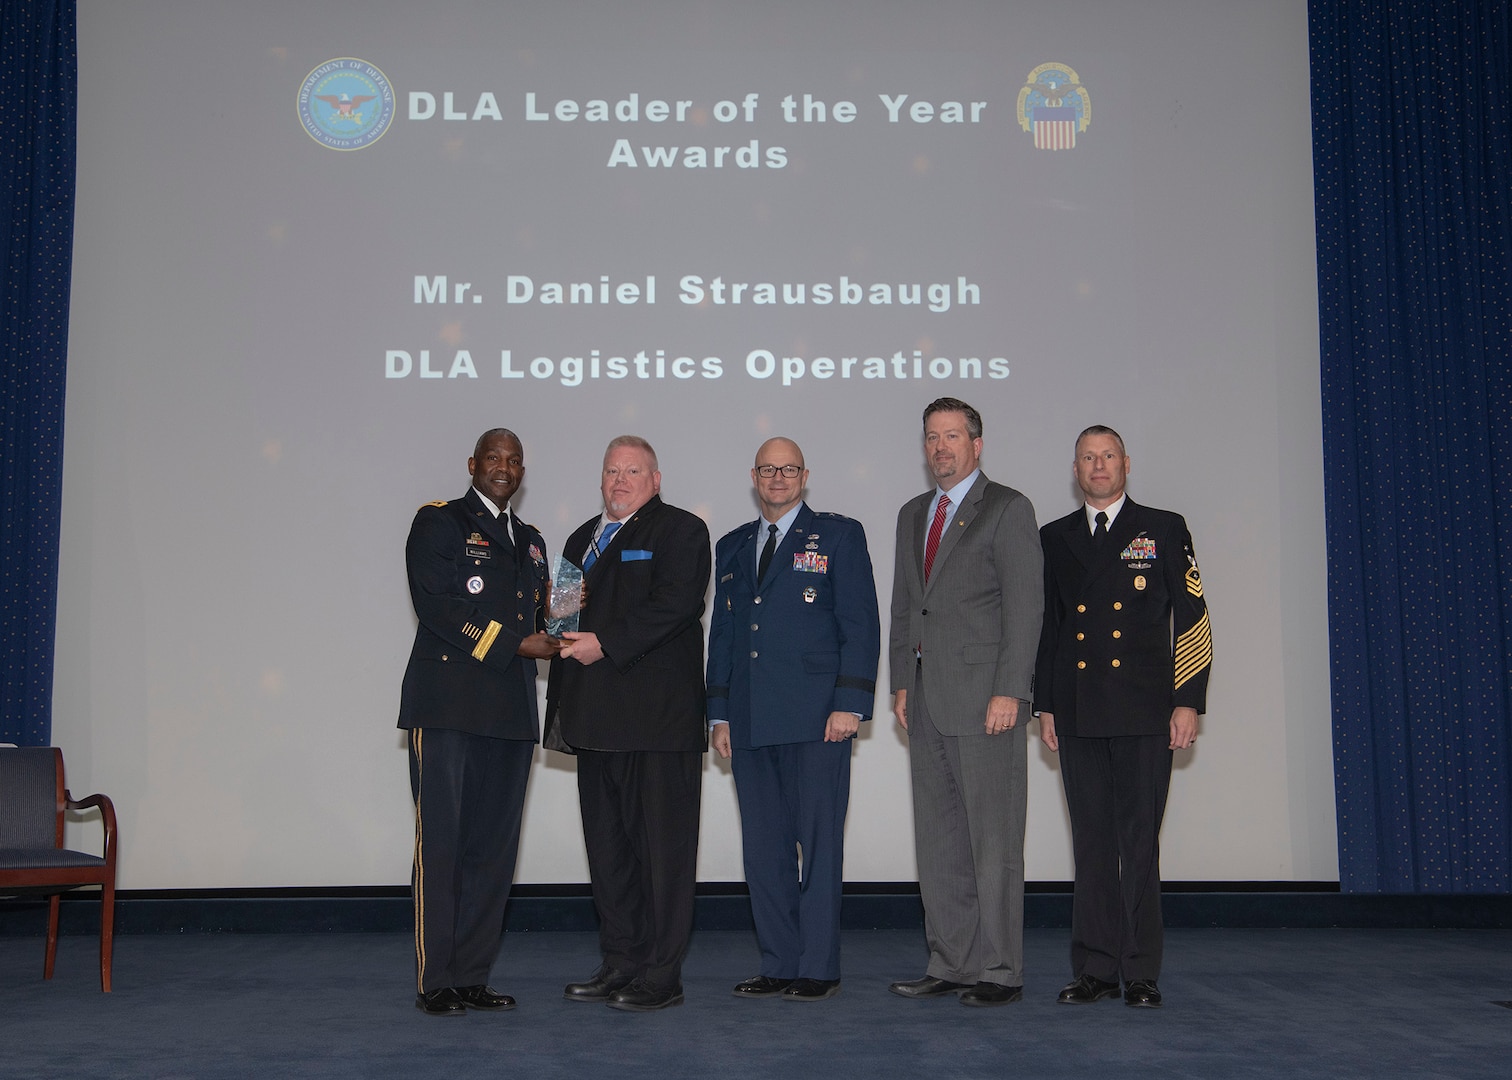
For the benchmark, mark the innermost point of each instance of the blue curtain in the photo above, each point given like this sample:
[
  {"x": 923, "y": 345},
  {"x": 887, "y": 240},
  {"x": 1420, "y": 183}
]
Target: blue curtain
[
  {"x": 1412, "y": 149},
  {"x": 38, "y": 87}
]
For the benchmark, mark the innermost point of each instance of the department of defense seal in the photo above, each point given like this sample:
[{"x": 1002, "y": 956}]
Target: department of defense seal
[{"x": 346, "y": 104}]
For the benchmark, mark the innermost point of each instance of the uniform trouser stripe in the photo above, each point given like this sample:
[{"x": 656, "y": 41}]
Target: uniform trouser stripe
[
  {"x": 417, "y": 878},
  {"x": 469, "y": 793}
]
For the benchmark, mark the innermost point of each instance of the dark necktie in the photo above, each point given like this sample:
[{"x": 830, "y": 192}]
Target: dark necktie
[
  {"x": 504, "y": 524},
  {"x": 596, "y": 548},
  {"x": 936, "y": 527},
  {"x": 1100, "y": 533},
  {"x": 766, "y": 554}
]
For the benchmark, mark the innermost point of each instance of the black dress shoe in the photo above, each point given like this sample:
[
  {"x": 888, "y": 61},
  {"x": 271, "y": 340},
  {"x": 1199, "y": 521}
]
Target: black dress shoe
[
  {"x": 989, "y": 993},
  {"x": 1142, "y": 994},
  {"x": 605, "y": 981},
  {"x": 1087, "y": 989},
  {"x": 811, "y": 990},
  {"x": 639, "y": 997},
  {"x": 762, "y": 986},
  {"x": 484, "y": 997},
  {"x": 442, "y": 1002},
  {"x": 928, "y": 987}
]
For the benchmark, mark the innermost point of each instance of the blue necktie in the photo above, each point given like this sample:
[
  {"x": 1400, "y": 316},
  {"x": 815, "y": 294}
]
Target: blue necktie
[{"x": 597, "y": 547}]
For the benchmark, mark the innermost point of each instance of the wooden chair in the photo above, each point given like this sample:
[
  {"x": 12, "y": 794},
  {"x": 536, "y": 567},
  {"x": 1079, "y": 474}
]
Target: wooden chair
[{"x": 33, "y": 859}]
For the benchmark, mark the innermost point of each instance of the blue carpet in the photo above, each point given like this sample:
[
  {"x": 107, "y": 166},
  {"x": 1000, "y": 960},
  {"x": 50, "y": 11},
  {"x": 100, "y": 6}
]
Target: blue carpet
[{"x": 1240, "y": 1003}]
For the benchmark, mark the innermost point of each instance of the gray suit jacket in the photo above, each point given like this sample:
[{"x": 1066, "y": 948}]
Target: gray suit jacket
[{"x": 977, "y": 622}]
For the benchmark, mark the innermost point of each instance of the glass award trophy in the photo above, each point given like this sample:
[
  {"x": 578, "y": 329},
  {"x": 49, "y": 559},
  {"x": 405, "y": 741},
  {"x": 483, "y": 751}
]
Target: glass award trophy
[{"x": 566, "y": 598}]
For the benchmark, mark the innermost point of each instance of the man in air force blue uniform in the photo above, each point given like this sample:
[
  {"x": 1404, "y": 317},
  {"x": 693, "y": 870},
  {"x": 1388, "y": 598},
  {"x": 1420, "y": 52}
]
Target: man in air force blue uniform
[{"x": 793, "y": 646}]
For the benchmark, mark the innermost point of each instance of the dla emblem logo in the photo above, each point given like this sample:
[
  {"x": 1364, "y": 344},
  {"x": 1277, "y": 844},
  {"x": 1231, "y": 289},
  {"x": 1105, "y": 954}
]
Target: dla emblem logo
[
  {"x": 346, "y": 104},
  {"x": 1054, "y": 107}
]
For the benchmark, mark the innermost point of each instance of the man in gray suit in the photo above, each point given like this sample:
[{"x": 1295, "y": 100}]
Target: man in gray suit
[{"x": 966, "y": 611}]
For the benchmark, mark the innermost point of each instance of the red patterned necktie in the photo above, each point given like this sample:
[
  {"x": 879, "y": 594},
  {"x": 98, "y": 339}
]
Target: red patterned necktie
[{"x": 936, "y": 527}]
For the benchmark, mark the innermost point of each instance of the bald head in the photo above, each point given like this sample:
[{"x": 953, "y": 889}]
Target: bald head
[
  {"x": 778, "y": 444},
  {"x": 779, "y": 493}
]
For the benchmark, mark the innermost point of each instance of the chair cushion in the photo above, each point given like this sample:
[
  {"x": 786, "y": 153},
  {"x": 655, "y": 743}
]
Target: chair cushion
[{"x": 36, "y": 858}]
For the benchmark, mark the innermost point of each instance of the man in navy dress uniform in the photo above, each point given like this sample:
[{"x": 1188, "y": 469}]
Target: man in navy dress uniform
[
  {"x": 793, "y": 646},
  {"x": 1120, "y": 679},
  {"x": 478, "y": 579}
]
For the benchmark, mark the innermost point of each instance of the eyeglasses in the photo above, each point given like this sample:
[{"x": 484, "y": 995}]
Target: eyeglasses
[{"x": 766, "y": 472}]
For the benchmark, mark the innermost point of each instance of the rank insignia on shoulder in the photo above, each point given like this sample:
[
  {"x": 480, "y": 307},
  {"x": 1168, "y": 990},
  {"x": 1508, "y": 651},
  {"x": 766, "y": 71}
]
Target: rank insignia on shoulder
[{"x": 438, "y": 502}]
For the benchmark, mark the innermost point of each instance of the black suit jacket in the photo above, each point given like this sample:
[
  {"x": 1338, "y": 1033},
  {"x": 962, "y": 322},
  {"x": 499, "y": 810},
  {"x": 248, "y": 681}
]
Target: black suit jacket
[
  {"x": 1125, "y": 637},
  {"x": 477, "y": 592},
  {"x": 645, "y": 596}
]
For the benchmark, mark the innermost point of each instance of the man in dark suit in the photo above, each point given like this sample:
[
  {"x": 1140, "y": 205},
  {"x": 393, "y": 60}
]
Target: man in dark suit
[
  {"x": 629, "y": 692},
  {"x": 793, "y": 645},
  {"x": 478, "y": 579},
  {"x": 1120, "y": 679},
  {"x": 966, "y": 609}
]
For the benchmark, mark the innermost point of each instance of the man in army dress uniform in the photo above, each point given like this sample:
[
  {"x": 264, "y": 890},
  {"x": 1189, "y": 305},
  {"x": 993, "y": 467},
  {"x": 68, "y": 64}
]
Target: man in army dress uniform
[
  {"x": 478, "y": 580},
  {"x": 1120, "y": 679},
  {"x": 793, "y": 646}
]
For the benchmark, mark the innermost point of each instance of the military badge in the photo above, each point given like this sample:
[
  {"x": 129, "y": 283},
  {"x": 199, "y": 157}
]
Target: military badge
[
  {"x": 475, "y": 585},
  {"x": 1139, "y": 582},
  {"x": 1141, "y": 548},
  {"x": 810, "y": 562},
  {"x": 535, "y": 554},
  {"x": 1193, "y": 578},
  {"x": 810, "y": 594}
]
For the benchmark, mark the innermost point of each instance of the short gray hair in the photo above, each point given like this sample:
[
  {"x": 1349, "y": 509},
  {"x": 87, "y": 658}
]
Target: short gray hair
[{"x": 635, "y": 441}]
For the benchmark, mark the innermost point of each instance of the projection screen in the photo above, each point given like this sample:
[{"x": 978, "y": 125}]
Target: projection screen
[{"x": 321, "y": 247}]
